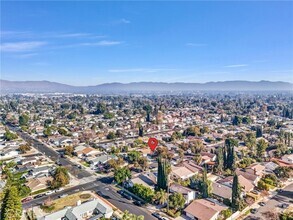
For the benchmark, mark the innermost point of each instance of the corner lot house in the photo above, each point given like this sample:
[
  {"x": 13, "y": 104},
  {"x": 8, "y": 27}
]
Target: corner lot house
[
  {"x": 204, "y": 209},
  {"x": 93, "y": 209}
]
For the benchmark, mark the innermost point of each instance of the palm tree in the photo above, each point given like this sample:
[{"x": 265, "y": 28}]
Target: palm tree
[{"x": 161, "y": 197}]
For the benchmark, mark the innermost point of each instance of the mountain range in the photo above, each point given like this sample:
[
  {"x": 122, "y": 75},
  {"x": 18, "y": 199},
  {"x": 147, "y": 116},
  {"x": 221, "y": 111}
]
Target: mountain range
[{"x": 140, "y": 87}]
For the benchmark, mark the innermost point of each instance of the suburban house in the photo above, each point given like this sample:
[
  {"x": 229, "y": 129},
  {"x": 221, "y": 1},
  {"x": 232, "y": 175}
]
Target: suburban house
[
  {"x": 221, "y": 191},
  {"x": 8, "y": 152},
  {"x": 204, "y": 209},
  {"x": 40, "y": 171},
  {"x": 192, "y": 166},
  {"x": 147, "y": 179},
  {"x": 40, "y": 183},
  {"x": 188, "y": 193},
  {"x": 256, "y": 169},
  {"x": 102, "y": 159},
  {"x": 246, "y": 184},
  {"x": 181, "y": 172},
  {"x": 288, "y": 158},
  {"x": 93, "y": 209}
]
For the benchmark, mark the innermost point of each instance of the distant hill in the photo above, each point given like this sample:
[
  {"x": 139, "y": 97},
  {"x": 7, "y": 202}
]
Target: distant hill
[{"x": 116, "y": 88}]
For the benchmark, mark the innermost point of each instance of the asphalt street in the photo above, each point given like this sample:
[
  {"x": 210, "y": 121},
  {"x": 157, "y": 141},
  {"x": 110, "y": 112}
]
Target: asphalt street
[
  {"x": 272, "y": 205},
  {"x": 108, "y": 193},
  {"x": 103, "y": 184},
  {"x": 53, "y": 155}
]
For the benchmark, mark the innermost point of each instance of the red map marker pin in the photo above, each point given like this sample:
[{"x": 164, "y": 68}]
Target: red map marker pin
[{"x": 153, "y": 142}]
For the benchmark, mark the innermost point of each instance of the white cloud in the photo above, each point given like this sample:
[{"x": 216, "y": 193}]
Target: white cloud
[
  {"x": 124, "y": 21},
  {"x": 101, "y": 43},
  {"x": 195, "y": 45},
  {"x": 236, "y": 65},
  {"x": 22, "y": 46},
  {"x": 25, "y": 55}
]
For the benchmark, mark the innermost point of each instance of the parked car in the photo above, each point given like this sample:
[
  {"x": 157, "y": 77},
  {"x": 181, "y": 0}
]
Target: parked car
[
  {"x": 63, "y": 195},
  {"x": 100, "y": 193},
  {"x": 121, "y": 192},
  {"x": 49, "y": 192},
  {"x": 261, "y": 203},
  {"x": 284, "y": 205},
  {"x": 253, "y": 211},
  {"x": 138, "y": 203},
  {"x": 255, "y": 192},
  {"x": 126, "y": 196},
  {"x": 58, "y": 190},
  {"x": 157, "y": 215},
  {"x": 27, "y": 199},
  {"x": 39, "y": 196}
]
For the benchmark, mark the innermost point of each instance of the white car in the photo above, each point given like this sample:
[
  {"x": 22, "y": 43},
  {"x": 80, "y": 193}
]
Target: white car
[
  {"x": 58, "y": 190},
  {"x": 49, "y": 192}
]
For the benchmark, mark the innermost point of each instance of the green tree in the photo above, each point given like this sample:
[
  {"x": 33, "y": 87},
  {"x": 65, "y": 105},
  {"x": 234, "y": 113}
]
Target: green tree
[
  {"x": 283, "y": 172},
  {"x": 111, "y": 135},
  {"x": 143, "y": 192},
  {"x": 23, "y": 120},
  {"x": 24, "y": 148},
  {"x": 219, "y": 161},
  {"x": 229, "y": 153},
  {"x": 162, "y": 180},
  {"x": 205, "y": 185},
  {"x": 161, "y": 197},
  {"x": 60, "y": 178},
  {"x": 121, "y": 174},
  {"x": 68, "y": 150},
  {"x": 250, "y": 140},
  {"x": 261, "y": 147},
  {"x": 48, "y": 132},
  {"x": 101, "y": 108},
  {"x": 8, "y": 135},
  {"x": 236, "y": 194},
  {"x": 11, "y": 208},
  {"x": 133, "y": 156},
  {"x": 140, "y": 131},
  {"x": 129, "y": 216},
  {"x": 237, "y": 120},
  {"x": 259, "y": 131},
  {"x": 176, "y": 201}
]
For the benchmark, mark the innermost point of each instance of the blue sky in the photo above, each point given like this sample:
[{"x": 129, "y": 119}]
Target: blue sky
[{"x": 88, "y": 43}]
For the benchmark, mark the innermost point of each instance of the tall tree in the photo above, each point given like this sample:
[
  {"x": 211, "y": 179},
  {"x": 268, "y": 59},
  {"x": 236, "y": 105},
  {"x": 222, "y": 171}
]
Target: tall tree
[
  {"x": 204, "y": 186},
  {"x": 229, "y": 154},
  {"x": 220, "y": 161},
  {"x": 162, "y": 181},
  {"x": 11, "y": 208},
  {"x": 236, "y": 194},
  {"x": 261, "y": 147}
]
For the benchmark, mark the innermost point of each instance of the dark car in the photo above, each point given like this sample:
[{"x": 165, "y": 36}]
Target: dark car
[
  {"x": 27, "y": 199},
  {"x": 261, "y": 203},
  {"x": 157, "y": 215},
  {"x": 121, "y": 192},
  {"x": 253, "y": 211},
  {"x": 284, "y": 205},
  {"x": 126, "y": 196},
  {"x": 138, "y": 203},
  {"x": 100, "y": 193},
  {"x": 39, "y": 196}
]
